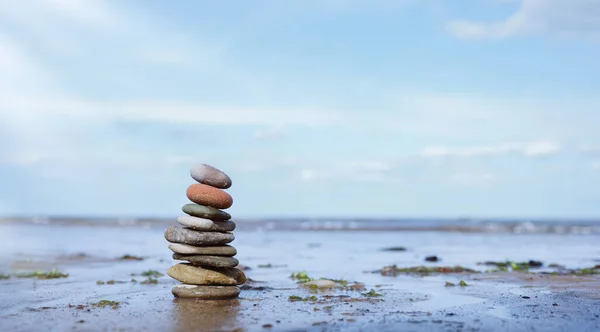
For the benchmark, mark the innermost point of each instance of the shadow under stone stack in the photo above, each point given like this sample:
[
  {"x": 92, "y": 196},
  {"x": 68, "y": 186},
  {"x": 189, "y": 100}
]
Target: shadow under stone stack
[{"x": 209, "y": 271}]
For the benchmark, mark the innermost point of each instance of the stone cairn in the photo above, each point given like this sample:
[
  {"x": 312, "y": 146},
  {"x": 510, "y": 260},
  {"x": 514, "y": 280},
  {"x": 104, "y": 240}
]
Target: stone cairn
[{"x": 209, "y": 271}]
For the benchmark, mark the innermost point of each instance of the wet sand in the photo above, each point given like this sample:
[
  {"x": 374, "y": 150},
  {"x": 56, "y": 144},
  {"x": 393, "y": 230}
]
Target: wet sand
[{"x": 498, "y": 301}]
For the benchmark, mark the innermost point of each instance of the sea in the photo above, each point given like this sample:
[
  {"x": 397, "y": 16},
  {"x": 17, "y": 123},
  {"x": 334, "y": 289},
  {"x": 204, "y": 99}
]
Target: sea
[{"x": 358, "y": 244}]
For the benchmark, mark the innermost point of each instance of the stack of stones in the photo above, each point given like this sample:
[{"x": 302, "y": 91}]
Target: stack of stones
[{"x": 209, "y": 271}]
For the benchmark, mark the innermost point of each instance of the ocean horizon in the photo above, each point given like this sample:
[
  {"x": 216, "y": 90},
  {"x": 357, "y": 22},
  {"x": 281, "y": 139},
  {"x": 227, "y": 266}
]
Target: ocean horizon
[{"x": 424, "y": 224}]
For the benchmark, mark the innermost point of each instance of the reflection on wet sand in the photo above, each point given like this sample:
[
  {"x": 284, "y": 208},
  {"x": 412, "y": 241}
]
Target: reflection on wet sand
[{"x": 196, "y": 315}]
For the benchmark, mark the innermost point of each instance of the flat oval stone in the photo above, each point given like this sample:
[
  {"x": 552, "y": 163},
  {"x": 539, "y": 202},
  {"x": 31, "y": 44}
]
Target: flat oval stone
[
  {"x": 207, "y": 212},
  {"x": 207, "y": 261},
  {"x": 186, "y": 291},
  {"x": 210, "y": 196},
  {"x": 186, "y": 249},
  {"x": 201, "y": 224},
  {"x": 195, "y": 275},
  {"x": 211, "y": 176},
  {"x": 175, "y": 234}
]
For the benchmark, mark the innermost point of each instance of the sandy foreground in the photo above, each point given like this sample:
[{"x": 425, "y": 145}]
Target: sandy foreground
[{"x": 272, "y": 301}]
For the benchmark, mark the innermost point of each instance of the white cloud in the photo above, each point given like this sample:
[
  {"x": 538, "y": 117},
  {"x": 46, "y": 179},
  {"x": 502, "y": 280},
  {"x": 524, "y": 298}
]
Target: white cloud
[
  {"x": 371, "y": 171},
  {"x": 90, "y": 12},
  {"x": 444, "y": 151},
  {"x": 45, "y": 120},
  {"x": 595, "y": 164},
  {"x": 562, "y": 18},
  {"x": 308, "y": 175},
  {"x": 104, "y": 112},
  {"x": 540, "y": 148},
  {"x": 532, "y": 149},
  {"x": 41, "y": 116},
  {"x": 272, "y": 133}
]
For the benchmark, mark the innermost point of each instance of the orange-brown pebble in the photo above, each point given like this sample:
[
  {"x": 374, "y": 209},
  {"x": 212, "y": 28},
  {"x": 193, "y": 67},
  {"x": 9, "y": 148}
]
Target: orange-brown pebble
[{"x": 210, "y": 196}]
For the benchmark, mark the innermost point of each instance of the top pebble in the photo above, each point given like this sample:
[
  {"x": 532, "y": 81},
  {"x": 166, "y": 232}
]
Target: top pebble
[{"x": 208, "y": 175}]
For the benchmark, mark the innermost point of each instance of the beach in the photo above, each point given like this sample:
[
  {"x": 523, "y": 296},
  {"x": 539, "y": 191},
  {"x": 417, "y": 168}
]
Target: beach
[{"x": 111, "y": 276}]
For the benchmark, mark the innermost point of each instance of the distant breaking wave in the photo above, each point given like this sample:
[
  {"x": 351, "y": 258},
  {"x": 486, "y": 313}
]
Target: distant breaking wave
[{"x": 347, "y": 224}]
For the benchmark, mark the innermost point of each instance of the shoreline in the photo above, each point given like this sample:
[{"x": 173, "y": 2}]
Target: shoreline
[{"x": 339, "y": 225}]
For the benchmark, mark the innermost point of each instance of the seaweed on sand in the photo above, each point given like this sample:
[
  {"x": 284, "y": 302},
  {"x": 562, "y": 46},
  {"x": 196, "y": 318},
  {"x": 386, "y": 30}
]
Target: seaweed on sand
[
  {"x": 149, "y": 281},
  {"x": 53, "y": 274},
  {"x": 371, "y": 293},
  {"x": 104, "y": 303},
  {"x": 508, "y": 266},
  {"x": 296, "y": 298},
  {"x": 149, "y": 273},
  {"x": 394, "y": 270},
  {"x": 300, "y": 277},
  {"x": 313, "y": 284}
]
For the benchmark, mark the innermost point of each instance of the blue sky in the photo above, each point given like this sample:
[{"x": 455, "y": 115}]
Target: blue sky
[{"x": 314, "y": 108}]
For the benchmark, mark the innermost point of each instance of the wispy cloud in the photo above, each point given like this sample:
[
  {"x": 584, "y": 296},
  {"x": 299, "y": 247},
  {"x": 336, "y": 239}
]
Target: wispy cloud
[
  {"x": 561, "y": 18},
  {"x": 533, "y": 149},
  {"x": 272, "y": 133},
  {"x": 351, "y": 172}
]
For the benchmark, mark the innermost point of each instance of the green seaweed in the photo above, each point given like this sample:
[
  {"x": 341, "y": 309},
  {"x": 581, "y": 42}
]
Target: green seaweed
[
  {"x": 449, "y": 284},
  {"x": 313, "y": 287},
  {"x": 104, "y": 303},
  {"x": 462, "y": 283},
  {"x": 393, "y": 270},
  {"x": 511, "y": 266},
  {"x": 371, "y": 293},
  {"x": 301, "y": 277},
  {"x": 151, "y": 273},
  {"x": 587, "y": 271},
  {"x": 295, "y": 298},
  {"x": 4, "y": 276},
  {"x": 148, "y": 281},
  {"x": 53, "y": 274},
  {"x": 110, "y": 282},
  {"x": 341, "y": 282}
]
